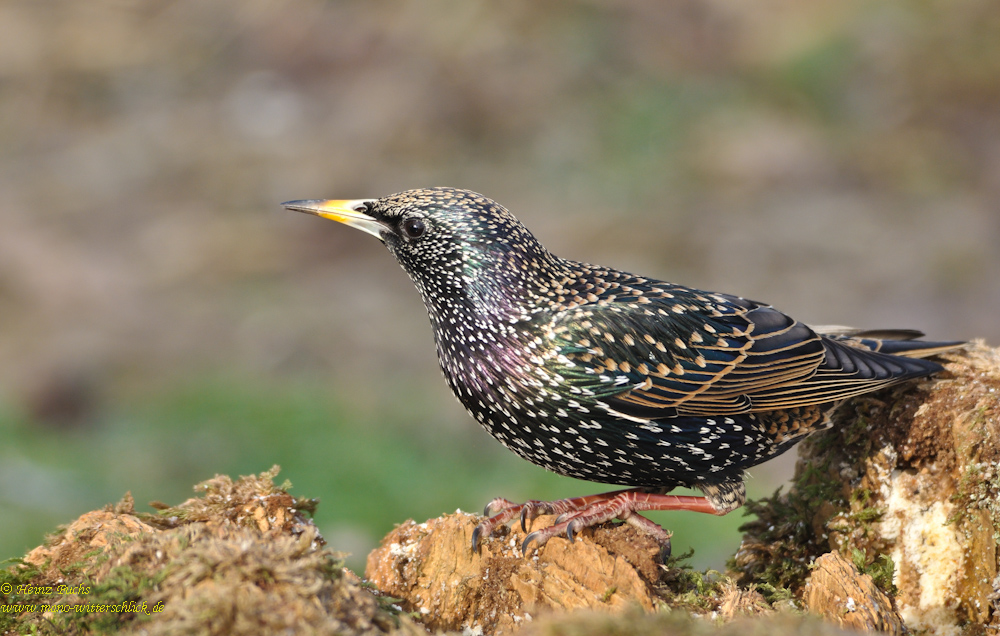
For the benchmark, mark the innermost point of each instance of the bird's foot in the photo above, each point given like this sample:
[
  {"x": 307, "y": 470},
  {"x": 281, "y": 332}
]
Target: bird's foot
[
  {"x": 500, "y": 511},
  {"x": 578, "y": 513}
]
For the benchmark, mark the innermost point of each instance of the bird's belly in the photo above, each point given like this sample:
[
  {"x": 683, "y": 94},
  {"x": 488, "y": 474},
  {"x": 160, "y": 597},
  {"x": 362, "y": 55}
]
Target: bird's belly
[{"x": 586, "y": 442}]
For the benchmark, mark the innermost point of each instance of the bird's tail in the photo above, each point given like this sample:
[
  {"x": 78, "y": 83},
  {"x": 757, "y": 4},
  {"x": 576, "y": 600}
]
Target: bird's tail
[{"x": 897, "y": 342}]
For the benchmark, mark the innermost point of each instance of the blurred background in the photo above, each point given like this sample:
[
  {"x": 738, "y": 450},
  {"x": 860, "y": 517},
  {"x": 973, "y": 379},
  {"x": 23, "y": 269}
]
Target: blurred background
[{"x": 162, "y": 319}]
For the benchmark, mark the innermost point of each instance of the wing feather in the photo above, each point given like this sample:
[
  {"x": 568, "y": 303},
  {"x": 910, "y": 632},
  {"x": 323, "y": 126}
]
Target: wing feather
[{"x": 681, "y": 352}]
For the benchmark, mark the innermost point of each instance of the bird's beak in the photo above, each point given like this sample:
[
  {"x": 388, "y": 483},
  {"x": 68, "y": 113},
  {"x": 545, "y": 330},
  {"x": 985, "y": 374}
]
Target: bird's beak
[{"x": 351, "y": 212}]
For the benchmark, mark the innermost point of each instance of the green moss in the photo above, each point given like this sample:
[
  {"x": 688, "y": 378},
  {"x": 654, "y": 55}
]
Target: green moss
[
  {"x": 774, "y": 594},
  {"x": 685, "y": 587},
  {"x": 868, "y": 515},
  {"x": 125, "y": 587},
  {"x": 863, "y": 514},
  {"x": 861, "y": 495},
  {"x": 881, "y": 568},
  {"x": 18, "y": 573},
  {"x": 781, "y": 542},
  {"x": 87, "y": 607},
  {"x": 978, "y": 489}
]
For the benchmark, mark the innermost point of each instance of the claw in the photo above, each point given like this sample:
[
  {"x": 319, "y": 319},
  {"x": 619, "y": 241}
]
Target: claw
[
  {"x": 571, "y": 528},
  {"x": 665, "y": 551},
  {"x": 524, "y": 517},
  {"x": 475, "y": 538},
  {"x": 528, "y": 540}
]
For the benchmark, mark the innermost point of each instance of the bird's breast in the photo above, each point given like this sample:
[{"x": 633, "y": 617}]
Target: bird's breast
[{"x": 496, "y": 362}]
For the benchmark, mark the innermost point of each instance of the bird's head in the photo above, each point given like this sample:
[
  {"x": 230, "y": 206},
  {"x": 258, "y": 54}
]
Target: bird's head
[{"x": 452, "y": 243}]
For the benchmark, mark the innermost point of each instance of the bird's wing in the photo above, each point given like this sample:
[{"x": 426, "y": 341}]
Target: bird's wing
[
  {"x": 675, "y": 351},
  {"x": 849, "y": 368}
]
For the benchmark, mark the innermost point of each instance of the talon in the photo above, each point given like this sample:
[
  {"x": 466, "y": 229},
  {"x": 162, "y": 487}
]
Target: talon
[
  {"x": 475, "y": 538},
  {"x": 524, "y": 516},
  {"x": 528, "y": 540},
  {"x": 493, "y": 506},
  {"x": 665, "y": 551},
  {"x": 571, "y": 531}
]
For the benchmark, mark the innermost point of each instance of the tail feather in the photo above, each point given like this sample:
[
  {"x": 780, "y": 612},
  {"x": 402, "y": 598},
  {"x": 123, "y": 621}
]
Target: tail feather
[{"x": 897, "y": 342}]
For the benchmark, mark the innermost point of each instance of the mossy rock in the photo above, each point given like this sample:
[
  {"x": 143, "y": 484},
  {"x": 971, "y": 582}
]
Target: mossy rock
[{"x": 243, "y": 558}]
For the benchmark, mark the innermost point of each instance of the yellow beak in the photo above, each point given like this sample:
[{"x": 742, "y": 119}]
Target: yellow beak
[{"x": 353, "y": 212}]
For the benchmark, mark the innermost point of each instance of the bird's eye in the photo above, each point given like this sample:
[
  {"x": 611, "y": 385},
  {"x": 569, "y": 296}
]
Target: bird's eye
[{"x": 414, "y": 227}]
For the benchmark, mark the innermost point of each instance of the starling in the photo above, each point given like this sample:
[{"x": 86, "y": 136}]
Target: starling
[{"x": 615, "y": 378}]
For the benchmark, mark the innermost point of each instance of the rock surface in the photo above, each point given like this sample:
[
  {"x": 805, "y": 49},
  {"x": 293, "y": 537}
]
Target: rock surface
[
  {"x": 838, "y": 592},
  {"x": 432, "y": 567}
]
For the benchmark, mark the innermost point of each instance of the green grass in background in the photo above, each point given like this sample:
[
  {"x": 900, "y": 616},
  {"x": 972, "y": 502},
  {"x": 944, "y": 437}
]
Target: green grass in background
[{"x": 369, "y": 472}]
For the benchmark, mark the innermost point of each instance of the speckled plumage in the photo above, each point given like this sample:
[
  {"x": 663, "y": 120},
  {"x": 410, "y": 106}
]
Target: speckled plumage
[{"x": 611, "y": 377}]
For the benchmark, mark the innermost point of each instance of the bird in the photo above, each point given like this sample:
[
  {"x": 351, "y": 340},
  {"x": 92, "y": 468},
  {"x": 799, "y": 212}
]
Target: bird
[{"x": 612, "y": 377}]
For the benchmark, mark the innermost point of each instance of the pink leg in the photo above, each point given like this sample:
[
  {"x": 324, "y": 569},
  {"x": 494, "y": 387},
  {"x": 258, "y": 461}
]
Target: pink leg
[{"x": 582, "y": 512}]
